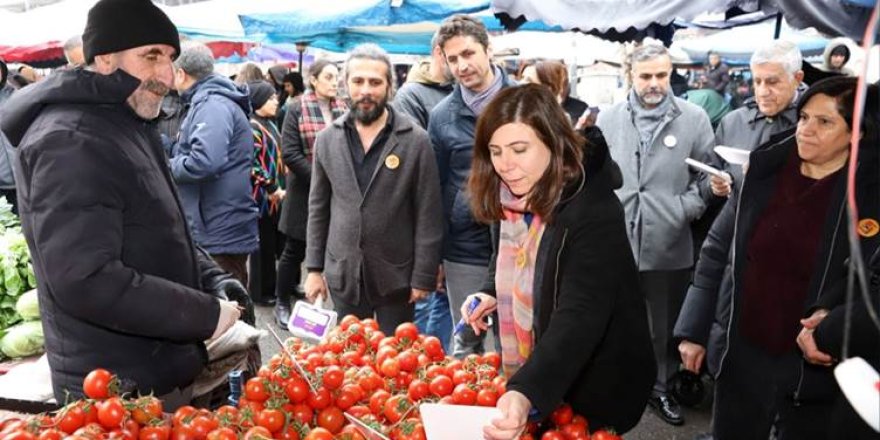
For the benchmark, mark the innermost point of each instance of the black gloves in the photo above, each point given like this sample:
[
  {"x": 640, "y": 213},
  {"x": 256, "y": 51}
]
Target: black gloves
[{"x": 220, "y": 284}]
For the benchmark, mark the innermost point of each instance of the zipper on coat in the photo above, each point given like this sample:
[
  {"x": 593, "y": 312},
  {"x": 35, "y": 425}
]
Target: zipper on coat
[{"x": 732, "y": 276}]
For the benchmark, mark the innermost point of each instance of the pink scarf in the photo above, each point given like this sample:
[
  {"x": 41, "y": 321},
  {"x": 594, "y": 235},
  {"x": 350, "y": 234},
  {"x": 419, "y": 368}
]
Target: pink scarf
[{"x": 514, "y": 280}]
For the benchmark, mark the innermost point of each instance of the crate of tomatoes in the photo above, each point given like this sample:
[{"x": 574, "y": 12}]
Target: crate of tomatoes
[{"x": 358, "y": 384}]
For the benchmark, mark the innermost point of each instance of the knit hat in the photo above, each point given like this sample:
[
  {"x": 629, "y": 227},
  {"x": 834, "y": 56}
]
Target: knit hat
[
  {"x": 117, "y": 25},
  {"x": 260, "y": 92}
]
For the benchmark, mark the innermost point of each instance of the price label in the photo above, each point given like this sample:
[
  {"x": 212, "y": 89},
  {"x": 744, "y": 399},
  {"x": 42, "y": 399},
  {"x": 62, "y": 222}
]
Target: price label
[{"x": 310, "y": 322}]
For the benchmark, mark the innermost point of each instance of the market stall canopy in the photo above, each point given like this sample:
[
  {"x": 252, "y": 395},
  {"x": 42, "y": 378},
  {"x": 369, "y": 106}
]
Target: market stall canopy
[
  {"x": 305, "y": 22},
  {"x": 736, "y": 45},
  {"x": 340, "y": 34},
  {"x": 613, "y": 18},
  {"x": 832, "y": 17},
  {"x": 608, "y": 15}
]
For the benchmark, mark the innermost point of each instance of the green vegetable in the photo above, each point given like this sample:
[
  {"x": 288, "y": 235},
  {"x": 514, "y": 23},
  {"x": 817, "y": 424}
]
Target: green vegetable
[
  {"x": 28, "y": 305},
  {"x": 22, "y": 340}
]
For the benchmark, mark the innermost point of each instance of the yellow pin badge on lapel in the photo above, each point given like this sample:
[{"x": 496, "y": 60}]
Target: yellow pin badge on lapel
[{"x": 392, "y": 162}]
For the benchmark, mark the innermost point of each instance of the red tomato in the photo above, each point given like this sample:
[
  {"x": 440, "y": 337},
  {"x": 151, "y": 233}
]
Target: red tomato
[
  {"x": 257, "y": 433},
  {"x": 441, "y": 386},
  {"x": 255, "y": 389},
  {"x": 433, "y": 348},
  {"x": 303, "y": 413},
  {"x": 359, "y": 411},
  {"x": 463, "y": 377},
  {"x": 97, "y": 384},
  {"x": 409, "y": 429},
  {"x": 287, "y": 433},
  {"x": 418, "y": 390},
  {"x": 390, "y": 367},
  {"x": 348, "y": 396},
  {"x": 183, "y": 415},
  {"x": 377, "y": 401},
  {"x": 396, "y": 407},
  {"x": 321, "y": 399},
  {"x": 158, "y": 432},
  {"x": 333, "y": 377},
  {"x": 407, "y": 333},
  {"x": 580, "y": 420},
  {"x": 349, "y": 432},
  {"x": 331, "y": 419},
  {"x": 408, "y": 360},
  {"x": 271, "y": 419},
  {"x": 464, "y": 395},
  {"x": 487, "y": 397},
  {"x": 572, "y": 431},
  {"x": 562, "y": 415},
  {"x": 227, "y": 415},
  {"x": 319, "y": 434},
  {"x": 296, "y": 389},
  {"x": 605, "y": 435},
  {"x": 553, "y": 435},
  {"x": 222, "y": 434},
  {"x": 51, "y": 434},
  {"x": 146, "y": 409},
  {"x": 71, "y": 418},
  {"x": 492, "y": 359},
  {"x": 111, "y": 412}
]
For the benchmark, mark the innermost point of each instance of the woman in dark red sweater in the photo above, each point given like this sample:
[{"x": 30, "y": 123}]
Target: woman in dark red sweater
[{"x": 776, "y": 254}]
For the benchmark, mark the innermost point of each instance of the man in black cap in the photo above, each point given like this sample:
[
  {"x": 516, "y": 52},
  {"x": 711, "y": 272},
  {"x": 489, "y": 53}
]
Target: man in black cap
[{"x": 121, "y": 285}]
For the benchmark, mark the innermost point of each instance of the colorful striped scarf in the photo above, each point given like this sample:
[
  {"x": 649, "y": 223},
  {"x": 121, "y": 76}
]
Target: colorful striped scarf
[
  {"x": 514, "y": 280},
  {"x": 267, "y": 168},
  {"x": 311, "y": 120}
]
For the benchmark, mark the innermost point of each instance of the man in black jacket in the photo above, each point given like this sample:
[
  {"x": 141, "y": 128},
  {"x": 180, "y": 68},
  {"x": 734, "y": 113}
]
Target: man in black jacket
[{"x": 121, "y": 285}]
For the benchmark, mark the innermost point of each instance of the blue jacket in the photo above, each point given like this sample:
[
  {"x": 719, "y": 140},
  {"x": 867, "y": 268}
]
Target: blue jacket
[
  {"x": 211, "y": 164},
  {"x": 451, "y": 128}
]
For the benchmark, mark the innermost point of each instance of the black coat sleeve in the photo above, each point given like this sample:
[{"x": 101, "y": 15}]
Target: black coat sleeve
[
  {"x": 698, "y": 310},
  {"x": 77, "y": 239},
  {"x": 292, "y": 148}
]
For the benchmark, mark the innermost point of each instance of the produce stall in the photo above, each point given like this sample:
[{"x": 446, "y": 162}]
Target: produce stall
[{"x": 356, "y": 384}]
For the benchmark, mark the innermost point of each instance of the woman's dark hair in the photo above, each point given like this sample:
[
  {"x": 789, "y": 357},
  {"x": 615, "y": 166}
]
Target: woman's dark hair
[
  {"x": 553, "y": 74},
  {"x": 533, "y": 105},
  {"x": 295, "y": 79},
  {"x": 315, "y": 70},
  {"x": 843, "y": 90}
]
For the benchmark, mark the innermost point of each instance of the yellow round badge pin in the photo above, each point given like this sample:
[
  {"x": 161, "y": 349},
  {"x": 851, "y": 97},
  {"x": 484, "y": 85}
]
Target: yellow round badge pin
[
  {"x": 392, "y": 162},
  {"x": 868, "y": 227}
]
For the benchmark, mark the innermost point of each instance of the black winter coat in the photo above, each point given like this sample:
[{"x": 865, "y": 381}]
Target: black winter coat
[
  {"x": 117, "y": 273},
  {"x": 709, "y": 313},
  {"x": 593, "y": 345}
]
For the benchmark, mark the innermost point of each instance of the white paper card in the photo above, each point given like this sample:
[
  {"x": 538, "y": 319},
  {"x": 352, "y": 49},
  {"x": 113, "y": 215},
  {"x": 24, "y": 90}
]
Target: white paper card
[
  {"x": 456, "y": 422},
  {"x": 860, "y": 384}
]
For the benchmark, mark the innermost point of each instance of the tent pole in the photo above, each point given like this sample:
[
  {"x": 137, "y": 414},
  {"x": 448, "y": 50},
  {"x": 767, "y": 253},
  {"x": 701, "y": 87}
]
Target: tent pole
[{"x": 778, "y": 30}]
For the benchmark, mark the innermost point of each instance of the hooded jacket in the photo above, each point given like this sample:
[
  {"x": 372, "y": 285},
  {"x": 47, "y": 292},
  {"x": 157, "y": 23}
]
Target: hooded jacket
[
  {"x": 211, "y": 163},
  {"x": 420, "y": 94},
  {"x": 117, "y": 273},
  {"x": 826, "y": 56}
]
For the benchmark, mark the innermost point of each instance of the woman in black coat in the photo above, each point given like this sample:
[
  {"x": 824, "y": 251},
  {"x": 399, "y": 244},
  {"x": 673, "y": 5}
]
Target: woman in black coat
[
  {"x": 776, "y": 254},
  {"x": 572, "y": 323}
]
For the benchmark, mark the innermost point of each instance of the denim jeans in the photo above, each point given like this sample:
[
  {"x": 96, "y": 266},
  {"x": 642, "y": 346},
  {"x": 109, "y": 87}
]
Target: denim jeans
[{"x": 433, "y": 318}]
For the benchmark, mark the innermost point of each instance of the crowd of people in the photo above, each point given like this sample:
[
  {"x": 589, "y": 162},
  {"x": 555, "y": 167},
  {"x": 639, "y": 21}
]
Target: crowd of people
[{"x": 161, "y": 199}]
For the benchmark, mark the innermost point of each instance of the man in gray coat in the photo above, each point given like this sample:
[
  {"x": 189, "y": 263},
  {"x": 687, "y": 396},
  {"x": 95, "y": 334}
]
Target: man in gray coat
[
  {"x": 375, "y": 227},
  {"x": 649, "y": 136}
]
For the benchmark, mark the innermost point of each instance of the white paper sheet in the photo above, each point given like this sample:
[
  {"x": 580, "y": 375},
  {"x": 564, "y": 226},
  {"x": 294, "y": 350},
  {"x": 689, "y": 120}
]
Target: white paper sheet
[{"x": 455, "y": 422}]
